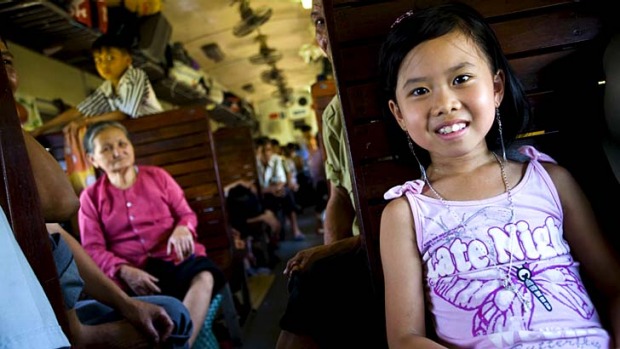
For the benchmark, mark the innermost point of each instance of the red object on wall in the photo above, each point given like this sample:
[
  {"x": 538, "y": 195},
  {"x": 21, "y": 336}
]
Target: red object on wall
[
  {"x": 102, "y": 15},
  {"x": 80, "y": 11},
  {"x": 91, "y": 13}
]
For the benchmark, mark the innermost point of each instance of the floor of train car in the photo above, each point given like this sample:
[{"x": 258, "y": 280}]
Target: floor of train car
[{"x": 261, "y": 329}]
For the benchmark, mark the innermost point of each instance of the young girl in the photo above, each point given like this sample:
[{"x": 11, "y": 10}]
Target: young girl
[{"x": 483, "y": 243}]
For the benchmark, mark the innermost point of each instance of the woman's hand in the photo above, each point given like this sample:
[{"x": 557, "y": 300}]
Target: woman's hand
[
  {"x": 182, "y": 241},
  {"x": 140, "y": 282}
]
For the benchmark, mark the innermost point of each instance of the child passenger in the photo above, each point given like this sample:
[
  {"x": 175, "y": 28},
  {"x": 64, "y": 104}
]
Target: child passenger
[{"x": 492, "y": 248}]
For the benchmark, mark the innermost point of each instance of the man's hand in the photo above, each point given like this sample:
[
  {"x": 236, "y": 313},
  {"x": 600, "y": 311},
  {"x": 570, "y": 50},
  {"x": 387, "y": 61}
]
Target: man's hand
[
  {"x": 150, "y": 319},
  {"x": 182, "y": 241},
  {"x": 140, "y": 282},
  {"x": 304, "y": 259}
]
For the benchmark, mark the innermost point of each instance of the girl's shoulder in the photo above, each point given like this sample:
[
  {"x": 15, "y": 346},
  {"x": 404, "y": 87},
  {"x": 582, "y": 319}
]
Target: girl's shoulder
[
  {"x": 412, "y": 187},
  {"x": 533, "y": 154}
]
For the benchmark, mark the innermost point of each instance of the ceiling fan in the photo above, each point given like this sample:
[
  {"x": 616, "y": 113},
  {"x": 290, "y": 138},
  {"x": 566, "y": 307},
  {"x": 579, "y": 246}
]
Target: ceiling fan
[
  {"x": 272, "y": 76},
  {"x": 266, "y": 54},
  {"x": 250, "y": 19},
  {"x": 284, "y": 94}
]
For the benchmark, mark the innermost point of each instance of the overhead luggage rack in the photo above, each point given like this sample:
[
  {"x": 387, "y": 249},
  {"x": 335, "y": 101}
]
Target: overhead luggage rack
[{"x": 49, "y": 30}]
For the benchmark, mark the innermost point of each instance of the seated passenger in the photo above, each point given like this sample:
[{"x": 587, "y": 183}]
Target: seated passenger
[
  {"x": 140, "y": 230},
  {"x": 272, "y": 178},
  {"x": 245, "y": 210}
]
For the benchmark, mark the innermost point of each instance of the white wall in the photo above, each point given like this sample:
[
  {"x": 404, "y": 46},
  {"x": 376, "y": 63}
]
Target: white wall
[
  {"x": 46, "y": 78},
  {"x": 278, "y": 122}
]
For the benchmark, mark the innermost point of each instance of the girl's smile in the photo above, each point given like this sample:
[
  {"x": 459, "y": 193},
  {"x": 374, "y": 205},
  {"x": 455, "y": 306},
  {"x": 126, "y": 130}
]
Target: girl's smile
[{"x": 446, "y": 92}]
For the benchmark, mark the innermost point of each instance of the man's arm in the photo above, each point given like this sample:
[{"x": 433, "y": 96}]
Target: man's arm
[
  {"x": 149, "y": 319},
  {"x": 58, "y": 199},
  {"x": 339, "y": 215}
]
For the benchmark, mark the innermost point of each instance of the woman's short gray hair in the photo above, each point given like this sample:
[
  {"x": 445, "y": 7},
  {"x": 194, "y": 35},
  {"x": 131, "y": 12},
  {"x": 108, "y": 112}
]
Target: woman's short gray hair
[{"x": 95, "y": 129}]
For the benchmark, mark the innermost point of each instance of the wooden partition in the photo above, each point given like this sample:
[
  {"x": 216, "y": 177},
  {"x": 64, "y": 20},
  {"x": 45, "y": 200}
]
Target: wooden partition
[
  {"x": 180, "y": 141},
  {"x": 235, "y": 154},
  {"x": 20, "y": 202},
  {"x": 553, "y": 45}
]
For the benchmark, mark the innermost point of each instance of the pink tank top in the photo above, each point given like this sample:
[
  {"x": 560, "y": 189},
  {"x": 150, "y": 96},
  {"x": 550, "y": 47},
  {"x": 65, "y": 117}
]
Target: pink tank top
[{"x": 544, "y": 305}]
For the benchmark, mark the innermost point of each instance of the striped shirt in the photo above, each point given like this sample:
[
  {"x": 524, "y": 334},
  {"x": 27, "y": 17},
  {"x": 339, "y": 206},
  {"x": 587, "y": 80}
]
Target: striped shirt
[{"x": 135, "y": 97}]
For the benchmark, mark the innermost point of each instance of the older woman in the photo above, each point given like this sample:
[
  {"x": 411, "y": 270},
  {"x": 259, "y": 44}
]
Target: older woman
[{"x": 138, "y": 227}]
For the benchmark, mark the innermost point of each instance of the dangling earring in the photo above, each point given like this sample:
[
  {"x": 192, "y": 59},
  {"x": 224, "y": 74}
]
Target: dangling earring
[
  {"x": 501, "y": 134},
  {"x": 422, "y": 170}
]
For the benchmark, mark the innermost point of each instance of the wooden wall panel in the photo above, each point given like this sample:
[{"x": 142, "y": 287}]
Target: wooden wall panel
[
  {"x": 21, "y": 204},
  {"x": 545, "y": 31},
  {"x": 236, "y": 154},
  {"x": 360, "y": 20}
]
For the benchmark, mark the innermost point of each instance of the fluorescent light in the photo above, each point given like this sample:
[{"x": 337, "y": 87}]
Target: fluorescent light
[{"x": 307, "y": 4}]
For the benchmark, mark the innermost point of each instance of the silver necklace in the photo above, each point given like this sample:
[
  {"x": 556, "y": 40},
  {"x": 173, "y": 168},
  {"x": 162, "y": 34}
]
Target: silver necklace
[{"x": 506, "y": 282}]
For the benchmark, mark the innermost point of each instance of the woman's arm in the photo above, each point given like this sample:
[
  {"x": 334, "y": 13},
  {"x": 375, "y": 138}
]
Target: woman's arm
[
  {"x": 402, "y": 269},
  {"x": 587, "y": 244},
  {"x": 178, "y": 204}
]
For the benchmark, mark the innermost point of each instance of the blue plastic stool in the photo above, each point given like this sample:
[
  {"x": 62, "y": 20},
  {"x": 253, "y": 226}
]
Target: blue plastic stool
[{"x": 206, "y": 338}]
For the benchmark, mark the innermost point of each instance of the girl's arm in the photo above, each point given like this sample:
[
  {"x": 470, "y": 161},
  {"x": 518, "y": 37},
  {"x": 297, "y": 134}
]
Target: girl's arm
[
  {"x": 587, "y": 244},
  {"x": 402, "y": 270}
]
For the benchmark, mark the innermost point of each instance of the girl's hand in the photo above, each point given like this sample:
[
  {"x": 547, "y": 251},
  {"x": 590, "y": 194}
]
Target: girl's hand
[
  {"x": 182, "y": 241},
  {"x": 140, "y": 282}
]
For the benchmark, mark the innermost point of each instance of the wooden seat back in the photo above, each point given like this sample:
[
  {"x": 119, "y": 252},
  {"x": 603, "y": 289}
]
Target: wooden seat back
[{"x": 236, "y": 154}]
